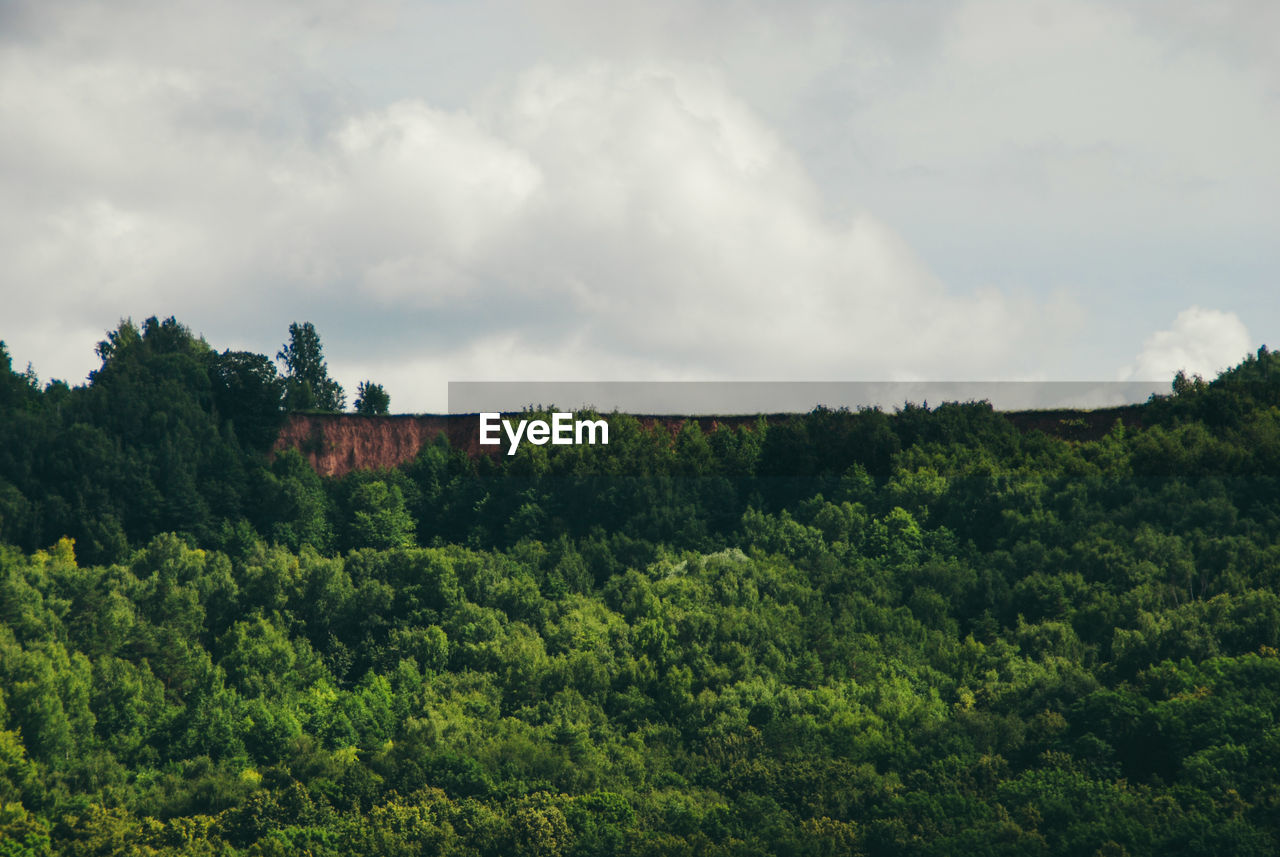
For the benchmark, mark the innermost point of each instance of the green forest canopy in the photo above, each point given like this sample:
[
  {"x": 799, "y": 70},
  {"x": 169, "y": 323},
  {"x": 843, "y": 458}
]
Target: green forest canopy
[{"x": 928, "y": 633}]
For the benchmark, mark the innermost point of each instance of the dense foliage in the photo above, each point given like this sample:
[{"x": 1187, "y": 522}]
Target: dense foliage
[{"x": 850, "y": 633}]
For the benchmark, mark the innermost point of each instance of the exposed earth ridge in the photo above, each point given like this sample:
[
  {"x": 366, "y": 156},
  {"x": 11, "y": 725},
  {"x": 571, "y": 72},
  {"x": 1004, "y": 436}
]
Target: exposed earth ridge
[{"x": 336, "y": 444}]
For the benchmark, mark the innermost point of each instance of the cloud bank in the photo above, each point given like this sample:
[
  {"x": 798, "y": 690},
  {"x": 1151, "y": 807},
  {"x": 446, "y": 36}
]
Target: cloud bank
[
  {"x": 1200, "y": 342},
  {"x": 821, "y": 192},
  {"x": 635, "y": 222}
]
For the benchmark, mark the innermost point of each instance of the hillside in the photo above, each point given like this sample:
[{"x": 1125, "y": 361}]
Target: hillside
[{"x": 937, "y": 631}]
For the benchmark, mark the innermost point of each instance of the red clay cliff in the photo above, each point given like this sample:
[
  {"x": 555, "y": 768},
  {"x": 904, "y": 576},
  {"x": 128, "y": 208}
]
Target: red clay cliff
[{"x": 336, "y": 444}]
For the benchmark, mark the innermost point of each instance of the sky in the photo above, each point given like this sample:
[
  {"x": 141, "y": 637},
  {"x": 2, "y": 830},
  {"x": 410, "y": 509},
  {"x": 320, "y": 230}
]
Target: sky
[{"x": 864, "y": 190}]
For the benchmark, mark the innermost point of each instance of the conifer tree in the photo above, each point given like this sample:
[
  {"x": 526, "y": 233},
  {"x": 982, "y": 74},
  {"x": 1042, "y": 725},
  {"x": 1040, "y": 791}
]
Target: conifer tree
[{"x": 308, "y": 385}]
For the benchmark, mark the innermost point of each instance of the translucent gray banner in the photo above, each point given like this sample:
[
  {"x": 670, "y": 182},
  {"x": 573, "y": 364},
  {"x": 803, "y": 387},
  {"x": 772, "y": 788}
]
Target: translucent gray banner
[{"x": 729, "y": 398}]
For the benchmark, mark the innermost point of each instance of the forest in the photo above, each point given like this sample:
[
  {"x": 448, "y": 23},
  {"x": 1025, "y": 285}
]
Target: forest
[{"x": 854, "y": 632}]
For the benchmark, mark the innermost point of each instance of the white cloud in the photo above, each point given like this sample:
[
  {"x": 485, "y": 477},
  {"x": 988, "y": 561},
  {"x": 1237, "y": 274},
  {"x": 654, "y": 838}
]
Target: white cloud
[
  {"x": 595, "y": 219},
  {"x": 680, "y": 238},
  {"x": 775, "y": 215},
  {"x": 1200, "y": 342}
]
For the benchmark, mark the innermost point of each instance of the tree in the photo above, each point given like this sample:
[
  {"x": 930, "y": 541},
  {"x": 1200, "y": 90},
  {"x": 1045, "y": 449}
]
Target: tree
[
  {"x": 292, "y": 508},
  {"x": 247, "y": 392},
  {"x": 308, "y": 385},
  {"x": 18, "y": 389},
  {"x": 372, "y": 400},
  {"x": 379, "y": 518},
  {"x": 1183, "y": 386}
]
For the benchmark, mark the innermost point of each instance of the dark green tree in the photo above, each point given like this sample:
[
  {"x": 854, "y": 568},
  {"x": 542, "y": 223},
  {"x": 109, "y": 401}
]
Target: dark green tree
[
  {"x": 372, "y": 400},
  {"x": 17, "y": 389},
  {"x": 248, "y": 392},
  {"x": 307, "y": 384}
]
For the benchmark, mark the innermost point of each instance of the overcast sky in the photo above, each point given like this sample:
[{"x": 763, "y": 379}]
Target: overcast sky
[{"x": 577, "y": 190}]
